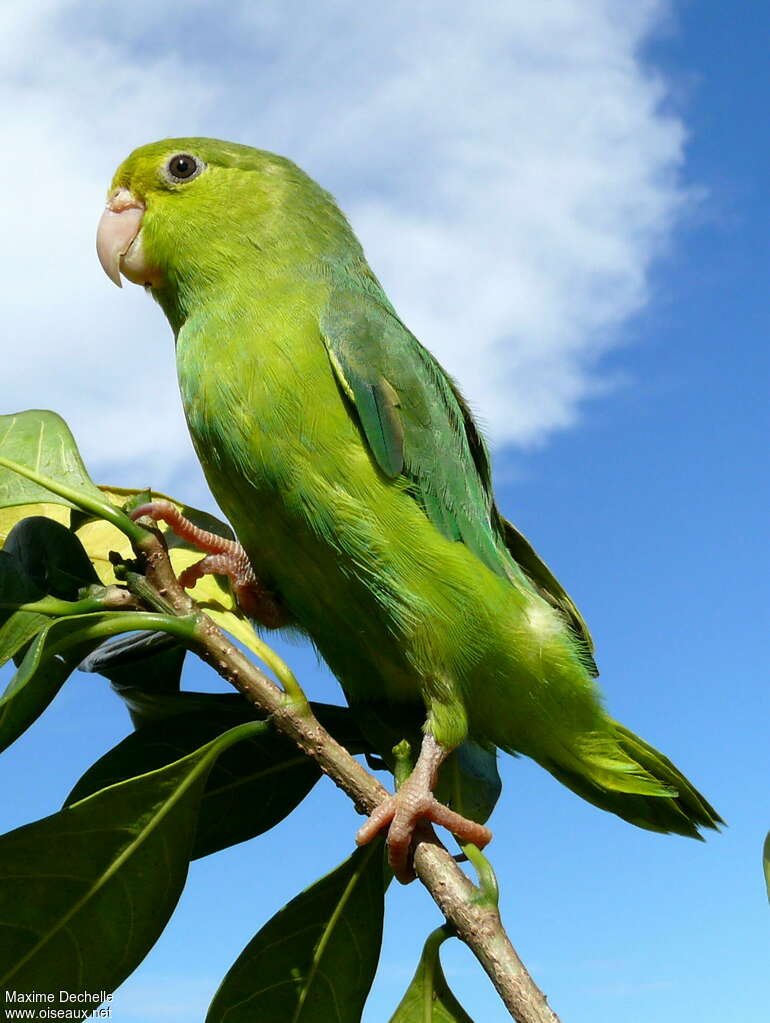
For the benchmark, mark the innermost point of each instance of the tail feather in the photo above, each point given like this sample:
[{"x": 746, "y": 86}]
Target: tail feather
[{"x": 619, "y": 772}]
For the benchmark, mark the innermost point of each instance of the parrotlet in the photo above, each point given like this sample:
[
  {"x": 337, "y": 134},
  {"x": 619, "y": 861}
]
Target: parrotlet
[{"x": 360, "y": 488}]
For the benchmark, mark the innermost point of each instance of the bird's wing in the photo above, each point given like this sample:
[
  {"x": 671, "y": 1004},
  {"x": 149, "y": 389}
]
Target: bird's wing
[
  {"x": 519, "y": 547},
  {"x": 548, "y": 586},
  {"x": 413, "y": 422},
  {"x": 417, "y": 424}
]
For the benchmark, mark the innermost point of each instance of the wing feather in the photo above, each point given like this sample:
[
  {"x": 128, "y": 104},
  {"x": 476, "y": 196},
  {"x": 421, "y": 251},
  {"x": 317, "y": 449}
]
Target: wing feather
[{"x": 417, "y": 424}]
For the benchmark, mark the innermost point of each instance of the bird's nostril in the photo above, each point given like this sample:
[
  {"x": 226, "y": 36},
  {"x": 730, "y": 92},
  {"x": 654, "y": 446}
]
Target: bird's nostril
[{"x": 123, "y": 199}]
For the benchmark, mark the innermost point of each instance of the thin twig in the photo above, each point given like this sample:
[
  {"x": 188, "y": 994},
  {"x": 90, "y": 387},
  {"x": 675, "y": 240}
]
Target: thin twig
[{"x": 473, "y": 917}]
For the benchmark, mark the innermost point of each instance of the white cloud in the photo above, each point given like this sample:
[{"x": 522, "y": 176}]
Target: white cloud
[{"x": 509, "y": 171}]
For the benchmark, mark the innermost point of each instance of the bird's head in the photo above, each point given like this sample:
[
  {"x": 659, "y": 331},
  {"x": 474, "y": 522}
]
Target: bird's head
[{"x": 186, "y": 214}]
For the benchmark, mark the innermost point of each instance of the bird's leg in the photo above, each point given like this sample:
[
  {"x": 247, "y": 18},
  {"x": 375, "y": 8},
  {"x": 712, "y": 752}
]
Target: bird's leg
[
  {"x": 414, "y": 802},
  {"x": 223, "y": 557}
]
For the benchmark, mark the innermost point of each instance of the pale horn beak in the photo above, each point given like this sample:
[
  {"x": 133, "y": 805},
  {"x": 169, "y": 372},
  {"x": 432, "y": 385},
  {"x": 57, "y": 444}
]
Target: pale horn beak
[{"x": 118, "y": 233}]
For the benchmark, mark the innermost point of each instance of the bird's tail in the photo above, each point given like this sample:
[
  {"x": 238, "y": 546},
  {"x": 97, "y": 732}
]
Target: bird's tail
[{"x": 617, "y": 771}]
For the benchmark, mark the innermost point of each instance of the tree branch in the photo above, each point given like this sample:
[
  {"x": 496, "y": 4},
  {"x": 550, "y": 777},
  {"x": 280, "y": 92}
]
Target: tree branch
[{"x": 473, "y": 918}]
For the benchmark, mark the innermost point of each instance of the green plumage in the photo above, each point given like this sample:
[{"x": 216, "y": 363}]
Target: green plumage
[{"x": 355, "y": 478}]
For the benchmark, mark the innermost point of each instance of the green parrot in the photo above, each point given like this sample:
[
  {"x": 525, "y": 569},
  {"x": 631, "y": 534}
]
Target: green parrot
[{"x": 360, "y": 489}]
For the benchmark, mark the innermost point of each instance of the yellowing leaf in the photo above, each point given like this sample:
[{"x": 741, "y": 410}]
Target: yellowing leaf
[
  {"x": 211, "y": 592},
  {"x": 10, "y": 516},
  {"x": 99, "y": 538}
]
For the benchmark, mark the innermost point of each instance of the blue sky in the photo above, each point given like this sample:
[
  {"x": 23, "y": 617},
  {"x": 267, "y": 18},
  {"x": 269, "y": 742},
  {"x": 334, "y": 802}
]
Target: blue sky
[{"x": 566, "y": 203}]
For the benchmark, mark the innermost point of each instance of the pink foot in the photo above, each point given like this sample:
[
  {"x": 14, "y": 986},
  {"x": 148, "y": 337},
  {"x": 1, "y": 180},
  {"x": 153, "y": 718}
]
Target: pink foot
[
  {"x": 223, "y": 557},
  {"x": 413, "y": 803}
]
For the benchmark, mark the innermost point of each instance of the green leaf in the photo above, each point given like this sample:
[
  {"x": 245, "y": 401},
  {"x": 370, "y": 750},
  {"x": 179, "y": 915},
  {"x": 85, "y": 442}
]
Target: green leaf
[
  {"x": 50, "y": 659},
  {"x": 17, "y": 628},
  {"x": 155, "y": 697},
  {"x": 428, "y": 999},
  {"x": 315, "y": 961},
  {"x": 41, "y": 441},
  {"x": 41, "y": 557},
  {"x": 469, "y": 781},
  {"x": 51, "y": 556},
  {"x": 55, "y": 653},
  {"x": 147, "y": 706},
  {"x": 85, "y": 893},
  {"x": 766, "y": 862},
  {"x": 153, "y": 657},
  {"x": 145, "y": 672},
  {"x": 251, "y": 788}
]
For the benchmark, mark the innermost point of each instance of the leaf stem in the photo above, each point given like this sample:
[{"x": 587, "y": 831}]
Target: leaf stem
[
  {"x": 284, "y": 674},
  {"x": 490, "y": 890},
  {"x": 433, "y": 943},
  {"x": 130, "y": 621},
  {"x": 404, "y": 762},
  {"x": 87, "y": 502},
  {"x": 113, "y": 599},
  {"x": 54, "y": 607}
]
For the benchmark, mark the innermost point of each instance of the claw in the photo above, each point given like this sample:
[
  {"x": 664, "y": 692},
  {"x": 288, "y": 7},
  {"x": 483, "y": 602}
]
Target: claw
[
  {"x": 413, "y": 804},
  {"x": 223, "y": 557}
]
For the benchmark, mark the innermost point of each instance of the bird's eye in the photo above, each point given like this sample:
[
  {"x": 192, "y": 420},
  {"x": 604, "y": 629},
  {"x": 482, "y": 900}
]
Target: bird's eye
[{"x": 183, "y": 167}]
